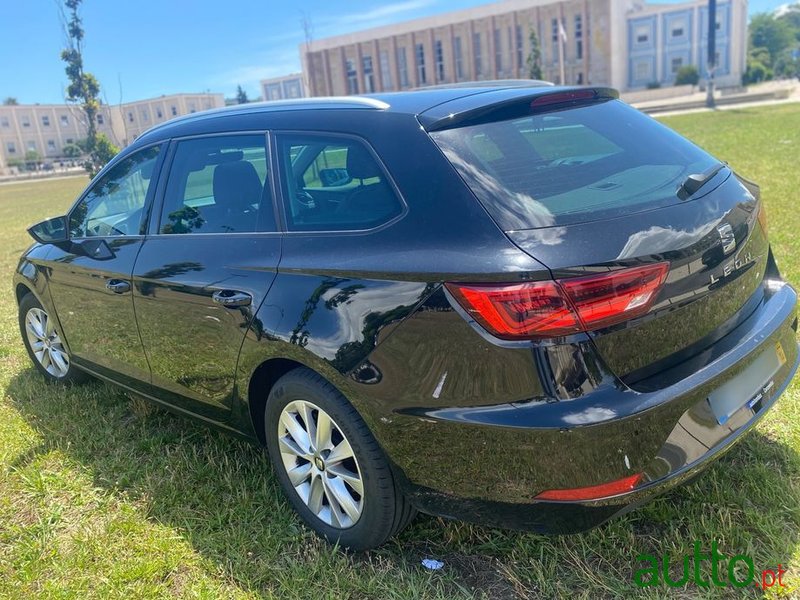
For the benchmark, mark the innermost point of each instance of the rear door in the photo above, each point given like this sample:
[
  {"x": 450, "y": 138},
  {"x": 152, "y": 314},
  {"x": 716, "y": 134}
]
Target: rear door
[
  {"x": 591, "y": 187},
  {"x": 207, "y": 265},
  {"x": 90, "y": 278}
]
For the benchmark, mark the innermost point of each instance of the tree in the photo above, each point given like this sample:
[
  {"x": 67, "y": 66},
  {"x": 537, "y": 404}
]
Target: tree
[
  {"x": 10, "y": 101},
  {"x": 84, "y": 88},
  {"x": 71, "y": 151},
  {"x": 758, "y": 68},
  {"x": 687, "y": 75},
  {"x": 241, "y": 95},
  {"x": 771, "y": 33},
  {"x": 535, "y": 57}
]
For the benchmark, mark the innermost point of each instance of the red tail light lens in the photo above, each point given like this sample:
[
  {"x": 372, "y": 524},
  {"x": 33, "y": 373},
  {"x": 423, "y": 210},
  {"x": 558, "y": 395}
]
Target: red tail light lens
[
  {"x": 556, "y": 308},
  {"x": 563, "y": 97}
]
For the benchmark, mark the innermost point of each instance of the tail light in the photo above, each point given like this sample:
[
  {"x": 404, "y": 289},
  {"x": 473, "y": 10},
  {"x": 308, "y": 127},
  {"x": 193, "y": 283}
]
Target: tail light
[
  {"x": 549, "y": 309},
  {"x": 604, "y": 490}
]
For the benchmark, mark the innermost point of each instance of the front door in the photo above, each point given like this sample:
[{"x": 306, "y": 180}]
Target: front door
[
  {"x": 204, "y": 271},
  {"x": 90, "y": 278}
]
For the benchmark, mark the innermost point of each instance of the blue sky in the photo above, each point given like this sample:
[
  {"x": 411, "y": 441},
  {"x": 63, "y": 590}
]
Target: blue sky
[{"x": 151, "y": 47}]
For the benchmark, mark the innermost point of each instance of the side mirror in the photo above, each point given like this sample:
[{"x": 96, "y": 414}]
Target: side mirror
[{"x": 50, "y": 231}]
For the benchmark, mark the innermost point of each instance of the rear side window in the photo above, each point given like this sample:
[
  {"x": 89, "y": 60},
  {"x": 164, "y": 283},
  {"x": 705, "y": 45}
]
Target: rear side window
[
  {"x": 571, "y": 166},
  {"x": 218, "y": 184},
  {"x": 333, "y": 183}
]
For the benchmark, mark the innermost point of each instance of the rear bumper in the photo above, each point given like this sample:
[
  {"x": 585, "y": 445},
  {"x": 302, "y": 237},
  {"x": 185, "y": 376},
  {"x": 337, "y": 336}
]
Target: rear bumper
[{"x": 488, "y": 464}]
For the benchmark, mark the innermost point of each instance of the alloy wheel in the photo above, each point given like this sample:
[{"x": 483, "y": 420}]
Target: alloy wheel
[
  {"x": 45, "y": 343},
  {"x": 321, "y": 464}
]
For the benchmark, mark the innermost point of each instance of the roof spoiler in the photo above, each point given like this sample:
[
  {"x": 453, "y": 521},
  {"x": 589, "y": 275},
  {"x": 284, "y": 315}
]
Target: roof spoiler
[{"x": 510, "y": 104}]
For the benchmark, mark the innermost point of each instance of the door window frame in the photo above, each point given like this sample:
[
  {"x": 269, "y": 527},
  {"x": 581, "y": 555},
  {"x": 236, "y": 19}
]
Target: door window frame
[
  {"x": 154, "y": 225},
  {"x": 149, "y": 197},
  {"x": 282, "y": 200}
]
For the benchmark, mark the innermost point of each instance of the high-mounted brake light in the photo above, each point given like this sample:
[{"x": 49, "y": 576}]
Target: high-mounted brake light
[
  {"x": 550, "y": 309},
  {"x": 604, "y": 490},
  {"x": 563, "y": 97}
]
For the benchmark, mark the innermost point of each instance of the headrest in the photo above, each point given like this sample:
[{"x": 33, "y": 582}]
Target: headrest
[
  {"x": 237, "y": 185},
  {"x": 361, "y": 164}
]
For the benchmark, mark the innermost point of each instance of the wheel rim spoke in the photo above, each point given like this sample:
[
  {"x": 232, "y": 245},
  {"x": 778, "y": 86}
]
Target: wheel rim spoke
[
  {"x": 45, "y": 343},
  {"x": 326, "y": 477},
  {"x": 58, "y": 360}
]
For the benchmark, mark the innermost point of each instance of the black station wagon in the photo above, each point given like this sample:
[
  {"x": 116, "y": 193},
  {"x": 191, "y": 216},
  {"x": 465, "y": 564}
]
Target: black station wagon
[{"x": 524, "y": 306}]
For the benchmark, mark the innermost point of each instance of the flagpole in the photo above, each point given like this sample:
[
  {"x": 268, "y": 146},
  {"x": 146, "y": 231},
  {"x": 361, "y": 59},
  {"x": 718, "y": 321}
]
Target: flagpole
[{"x": 562, "y": 49}]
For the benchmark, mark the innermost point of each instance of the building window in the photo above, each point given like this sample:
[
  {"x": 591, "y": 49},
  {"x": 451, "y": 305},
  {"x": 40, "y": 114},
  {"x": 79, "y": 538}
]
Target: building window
[
  {"x": 192, "y": 107},
  {"x": 100, "y": 119},
  {"x": 579, "y": 79},
  {"x": 476, "y": 47},
  {"x": 676, "y": 65},
  {"x": 352, "y": 77},
  {"x": 642, "y": 34},
  {"x": 130, "y": 117},
  {"x": 369, "y": 74},
  {"x": 174, "y": 111},
  {"x": 145, "y": 115},
  {"x": 678, "y": 28},
  {"x": 554, "y": 28},
  {"x": 386, "y": 73},
  {"x": 402, "y": 67},
  {"x": 31, "y": 146},
  {"x": 642, "y": 71},
  {"x": 498, "y": 52},
  {"x": 292, "y": 88},
  {"x": 70, "y": 141},
  {"x": 579, "y": 37},
  {"x": 520, "y": 46},
  {"x": 439, "y": 52},
  {"x": 159, "y": 113},
  {"x": 11, "y": 147},
  {"x": 45, "y": 121},
  {"x": 51, "y": 145},
  {"x": 419, "y": 54},
  {"x": 4, "y": 122},
  {"x": 64, "y": 120},
  {"x": 26, "y": 121},
  {"x": 459, "y": 60}
]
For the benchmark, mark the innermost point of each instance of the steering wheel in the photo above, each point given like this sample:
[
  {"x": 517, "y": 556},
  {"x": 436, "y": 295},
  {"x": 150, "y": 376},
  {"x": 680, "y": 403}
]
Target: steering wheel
[{"x": 305, "y": 199}]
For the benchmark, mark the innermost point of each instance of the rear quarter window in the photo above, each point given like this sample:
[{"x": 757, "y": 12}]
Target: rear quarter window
[{"x": 571, "y": 166}]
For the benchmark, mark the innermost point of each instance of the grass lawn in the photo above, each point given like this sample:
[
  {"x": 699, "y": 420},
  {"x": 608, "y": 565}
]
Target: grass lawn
[{"x": 105, "y": 497}]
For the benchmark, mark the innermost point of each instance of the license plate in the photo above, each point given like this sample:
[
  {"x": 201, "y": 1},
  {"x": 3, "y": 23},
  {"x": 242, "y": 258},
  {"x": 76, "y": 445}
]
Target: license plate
[{"x": 749, "y": 386}]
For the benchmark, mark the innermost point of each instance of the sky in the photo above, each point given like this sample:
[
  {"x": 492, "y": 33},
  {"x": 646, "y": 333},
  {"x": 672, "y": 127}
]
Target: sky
[{"x": 147, "y": 48}]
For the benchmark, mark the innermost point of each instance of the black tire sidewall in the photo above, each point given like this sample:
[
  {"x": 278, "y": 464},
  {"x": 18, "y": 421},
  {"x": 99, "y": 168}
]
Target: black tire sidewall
[{"x": 380, "y": 503}]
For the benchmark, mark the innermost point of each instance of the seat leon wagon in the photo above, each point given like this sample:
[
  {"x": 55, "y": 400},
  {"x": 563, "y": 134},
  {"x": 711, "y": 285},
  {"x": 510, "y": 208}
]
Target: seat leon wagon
[{"x": 530, "y": 307}]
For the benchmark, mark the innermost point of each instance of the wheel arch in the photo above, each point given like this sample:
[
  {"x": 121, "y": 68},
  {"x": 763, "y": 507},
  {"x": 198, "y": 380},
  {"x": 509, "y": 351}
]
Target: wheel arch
[{"x": 259, "y": 386}]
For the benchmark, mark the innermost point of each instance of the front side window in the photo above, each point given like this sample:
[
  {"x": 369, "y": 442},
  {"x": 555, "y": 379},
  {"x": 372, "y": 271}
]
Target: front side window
[
  {"x": 334, "y": 184},
  {"x": 218, "y": 184},
  {"x": 114, "y": 204}
]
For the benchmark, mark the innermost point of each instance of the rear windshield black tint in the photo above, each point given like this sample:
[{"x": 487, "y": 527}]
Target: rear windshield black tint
[{"x": 572, "y": 166}]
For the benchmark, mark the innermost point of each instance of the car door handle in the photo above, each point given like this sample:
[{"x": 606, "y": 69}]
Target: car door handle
[
  {"x": 231, "y": 298},
  {"x": 118, "y": 286}
]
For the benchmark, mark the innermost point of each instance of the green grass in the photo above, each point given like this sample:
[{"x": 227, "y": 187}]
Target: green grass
[{"x": 105, "y": 497}]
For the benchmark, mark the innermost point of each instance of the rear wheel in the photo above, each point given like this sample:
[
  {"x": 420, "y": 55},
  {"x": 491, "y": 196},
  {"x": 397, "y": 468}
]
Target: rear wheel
[
  {"x": 44, "y": 343},
  {"x": 329, "y": 464}
]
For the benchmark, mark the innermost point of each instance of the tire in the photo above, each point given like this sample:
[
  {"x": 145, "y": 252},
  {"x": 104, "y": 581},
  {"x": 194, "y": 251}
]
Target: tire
[
  {"x": 44, "y": 344},
  {"x": 327, "y": 498}
]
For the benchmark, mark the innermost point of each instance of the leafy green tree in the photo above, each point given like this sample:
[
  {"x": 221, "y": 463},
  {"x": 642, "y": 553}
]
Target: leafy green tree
[
  {"x": 10, "y": 101},
  {"x": 241, "y": 95},
  {"x": 84, "y": 89},
  {"x": 758, "y": 69},
  {"x": 535, "y": 57},
  {"x": 687, "y": 75},
  {"x": 71, "y": 151},
  {"x": 771, "y": 33}
]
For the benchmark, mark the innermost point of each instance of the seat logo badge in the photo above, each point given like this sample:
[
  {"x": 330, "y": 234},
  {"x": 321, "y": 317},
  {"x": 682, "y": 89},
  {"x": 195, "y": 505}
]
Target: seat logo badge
[{"x": 728, "y": 238}]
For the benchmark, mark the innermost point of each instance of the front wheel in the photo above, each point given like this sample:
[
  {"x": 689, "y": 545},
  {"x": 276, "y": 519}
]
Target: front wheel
[
  {"x": 329, "y": 465},
  {"x": 44, "y": 344}
]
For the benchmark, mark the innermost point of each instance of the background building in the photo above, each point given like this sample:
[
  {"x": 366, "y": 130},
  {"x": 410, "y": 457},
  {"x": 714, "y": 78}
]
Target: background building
[
  {"x": 284, "y": 88},
  {"x": 45, "y": 129},
  {"x": 627, "y": 44}
]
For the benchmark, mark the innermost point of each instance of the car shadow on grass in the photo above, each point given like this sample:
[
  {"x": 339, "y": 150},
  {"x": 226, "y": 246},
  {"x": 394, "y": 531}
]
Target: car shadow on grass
[{"x": 219, "y": 494}]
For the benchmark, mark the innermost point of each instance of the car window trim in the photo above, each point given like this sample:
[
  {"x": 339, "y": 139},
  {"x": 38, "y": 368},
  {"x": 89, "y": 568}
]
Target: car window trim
[
  {"x": 149, "y": 198},
  {"x": 154, "y": 230},
  {"x": 280, "y": 176}
]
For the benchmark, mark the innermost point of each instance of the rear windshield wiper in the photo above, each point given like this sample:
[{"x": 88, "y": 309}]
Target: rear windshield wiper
[{"x": 692, "y": 184}]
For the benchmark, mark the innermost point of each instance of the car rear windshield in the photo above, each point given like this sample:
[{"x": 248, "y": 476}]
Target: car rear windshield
[{"x": 569, "y": 166}]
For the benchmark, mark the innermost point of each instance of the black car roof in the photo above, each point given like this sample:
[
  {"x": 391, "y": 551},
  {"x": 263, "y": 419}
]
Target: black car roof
[{"x": 434, "y": 103}]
